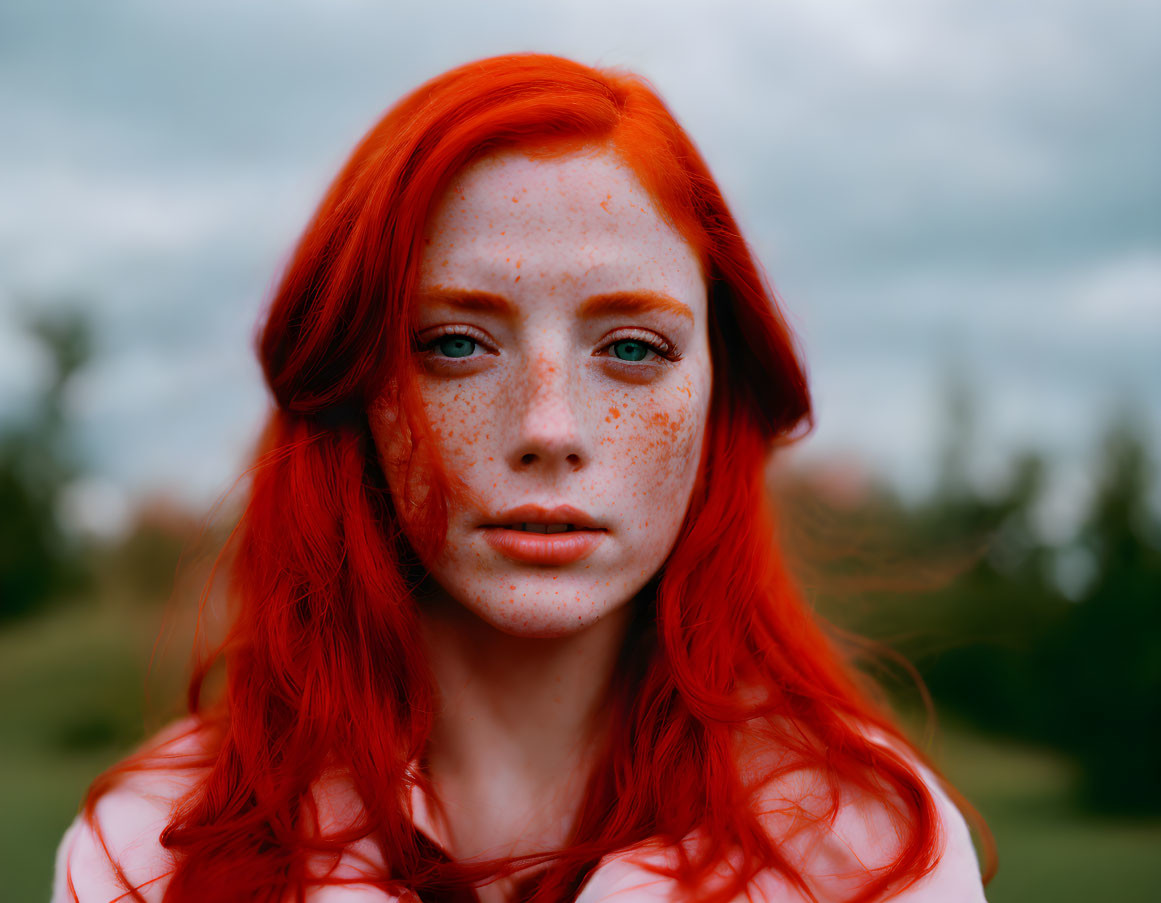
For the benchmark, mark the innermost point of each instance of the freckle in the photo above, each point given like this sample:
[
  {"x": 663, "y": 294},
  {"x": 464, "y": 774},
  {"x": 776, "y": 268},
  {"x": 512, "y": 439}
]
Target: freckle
[
  {"x": 513, "y": 586},
  {"x": 517, "y": 278},
  {"x": 614, "y": 413}
]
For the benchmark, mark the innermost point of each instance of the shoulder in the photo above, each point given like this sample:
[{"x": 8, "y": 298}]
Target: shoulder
[
  {"x": 833, "y": 856},
  {"x": 836, "y": 856},
  {"x": 116, "y": 844}
]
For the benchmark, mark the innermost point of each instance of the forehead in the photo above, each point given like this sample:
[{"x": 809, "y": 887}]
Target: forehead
[{"x": 574, "y": 224}]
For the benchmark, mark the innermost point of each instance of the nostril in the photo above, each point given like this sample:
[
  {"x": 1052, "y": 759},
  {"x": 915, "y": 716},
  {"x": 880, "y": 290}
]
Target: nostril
[
  {"x": 574, "y": 461},
  {"x": 527, "y": 459}
]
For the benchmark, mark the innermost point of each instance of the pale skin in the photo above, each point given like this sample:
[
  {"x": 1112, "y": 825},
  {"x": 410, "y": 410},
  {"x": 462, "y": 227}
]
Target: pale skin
[
  {"x": 563, "y": 365},
  {"x": 563, "y": 361}
]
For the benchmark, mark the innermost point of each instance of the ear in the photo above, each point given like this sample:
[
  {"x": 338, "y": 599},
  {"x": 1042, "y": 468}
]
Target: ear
[
  {"x": 389, "y": 432},
  {"x": 384, "y": 407},
  {"x": 760, "y": 359},
  {"x": 405, "y": 462}
]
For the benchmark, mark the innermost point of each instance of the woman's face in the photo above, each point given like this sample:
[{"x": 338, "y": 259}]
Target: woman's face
[{"x": 564, "y": 370}]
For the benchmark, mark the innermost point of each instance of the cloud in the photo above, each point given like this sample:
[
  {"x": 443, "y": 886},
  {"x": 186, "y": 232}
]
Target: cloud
[{"x": 926, "y": 182}]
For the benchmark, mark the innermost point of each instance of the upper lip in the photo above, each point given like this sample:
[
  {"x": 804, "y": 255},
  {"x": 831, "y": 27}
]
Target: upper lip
[{"x": 535, "y": 514}]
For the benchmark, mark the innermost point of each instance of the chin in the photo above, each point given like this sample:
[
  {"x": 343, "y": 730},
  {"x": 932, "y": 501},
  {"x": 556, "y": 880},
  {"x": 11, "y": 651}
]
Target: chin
[{"x": 545, "y": 613}]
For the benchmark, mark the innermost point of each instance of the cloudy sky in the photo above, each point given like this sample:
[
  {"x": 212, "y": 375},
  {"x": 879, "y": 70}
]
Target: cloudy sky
[{"x": 934, "y": 186}]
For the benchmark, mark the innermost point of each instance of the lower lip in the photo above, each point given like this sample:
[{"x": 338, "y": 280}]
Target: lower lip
[{"x": 549, "y": 549}]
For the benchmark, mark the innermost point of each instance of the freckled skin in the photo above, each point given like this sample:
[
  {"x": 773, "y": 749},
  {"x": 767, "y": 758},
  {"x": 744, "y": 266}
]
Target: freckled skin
[{"x": 542, "y": 411}]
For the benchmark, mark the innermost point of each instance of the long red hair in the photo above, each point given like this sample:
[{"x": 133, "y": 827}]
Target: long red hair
[{"x": 322, "y": 666}]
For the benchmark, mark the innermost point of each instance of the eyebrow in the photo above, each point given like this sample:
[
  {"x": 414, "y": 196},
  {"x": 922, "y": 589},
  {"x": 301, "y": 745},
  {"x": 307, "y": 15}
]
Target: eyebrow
[
  {"x": 615, "y": 303},
  {"x": 604, "y": 305},
  {"x": 477, "y": 301}
]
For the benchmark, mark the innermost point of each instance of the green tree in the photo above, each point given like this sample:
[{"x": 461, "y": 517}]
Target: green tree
[
  {"x": 966, "y": 588},
  {"x": 36, "y": 462},
  {"x": 1109, "y": 653}
]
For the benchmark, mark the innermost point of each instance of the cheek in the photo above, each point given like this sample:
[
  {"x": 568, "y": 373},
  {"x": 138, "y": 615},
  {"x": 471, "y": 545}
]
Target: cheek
[
  {"x": 654, "y": 438},
  {"x": 458, "y": 436},
  {"x": 461, "y": 422}
]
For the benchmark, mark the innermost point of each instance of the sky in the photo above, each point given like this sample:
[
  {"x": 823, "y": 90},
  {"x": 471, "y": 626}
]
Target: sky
[{"x": 935, "y": 187}]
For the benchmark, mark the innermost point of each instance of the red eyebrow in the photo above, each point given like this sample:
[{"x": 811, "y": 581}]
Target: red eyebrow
[
  {"x": 609, "y": 304},
  {"x": 481, "y": 302},
  {"x": 633, "y": 302}
]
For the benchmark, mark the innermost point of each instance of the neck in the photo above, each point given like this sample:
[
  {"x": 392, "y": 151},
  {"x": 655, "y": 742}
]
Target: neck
[{"x": 516, "y": 728}]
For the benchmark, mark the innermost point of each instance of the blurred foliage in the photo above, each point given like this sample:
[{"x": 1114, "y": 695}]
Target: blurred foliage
[
  {"x": 1055, "y": 645},
  {"x": 37, "y": 461}
]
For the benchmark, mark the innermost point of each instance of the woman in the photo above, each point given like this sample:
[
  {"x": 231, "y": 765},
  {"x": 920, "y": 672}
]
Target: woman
[{"x": 510, "y": 621}]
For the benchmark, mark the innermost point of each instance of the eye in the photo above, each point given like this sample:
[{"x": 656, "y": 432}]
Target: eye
[
  {"x": 640, "y": 346},
  {"x": 452, "y": 343},
  {"x": 455, "y": 345},
  {"x": 629, "y": 350}
]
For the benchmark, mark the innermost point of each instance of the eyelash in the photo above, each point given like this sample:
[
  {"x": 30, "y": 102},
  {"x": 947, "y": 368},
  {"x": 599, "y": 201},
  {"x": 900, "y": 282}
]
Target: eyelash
[
  {"x": 665, "y": 350},
  {"x": 427, "y": 345}
]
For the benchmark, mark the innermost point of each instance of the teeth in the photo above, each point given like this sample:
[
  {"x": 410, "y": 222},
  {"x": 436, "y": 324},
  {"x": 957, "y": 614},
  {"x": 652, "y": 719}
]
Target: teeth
[{"x": 544, "y": 528}]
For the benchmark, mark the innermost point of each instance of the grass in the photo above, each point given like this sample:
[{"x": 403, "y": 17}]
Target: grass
[
  {"x": 71, "y": 690},
  {"x": 1048, "y": 850}
]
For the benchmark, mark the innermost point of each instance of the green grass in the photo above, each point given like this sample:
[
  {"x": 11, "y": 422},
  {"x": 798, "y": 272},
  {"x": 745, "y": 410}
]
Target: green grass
[
  {"x": 1048, "y": 850},
  {"x": 72, "y": 686},
  {"x": 71, "y": 690}
]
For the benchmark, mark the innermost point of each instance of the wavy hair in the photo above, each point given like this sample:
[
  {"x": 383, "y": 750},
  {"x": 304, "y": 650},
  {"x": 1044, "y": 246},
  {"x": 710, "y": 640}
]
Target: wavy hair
[{"x": 323, "y": 669}]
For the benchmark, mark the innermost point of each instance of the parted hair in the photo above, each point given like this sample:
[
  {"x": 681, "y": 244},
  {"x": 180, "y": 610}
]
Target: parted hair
[{"x": 323, "y": 669}]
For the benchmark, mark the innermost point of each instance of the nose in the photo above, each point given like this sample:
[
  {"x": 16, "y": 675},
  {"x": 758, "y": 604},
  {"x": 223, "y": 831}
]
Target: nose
[{"x": 549, "y": 427}]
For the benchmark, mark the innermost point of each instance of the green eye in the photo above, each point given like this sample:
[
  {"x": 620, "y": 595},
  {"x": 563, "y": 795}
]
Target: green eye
[
  {"x": 629, "y": 350},
  {"x": 455, "y": 346}
]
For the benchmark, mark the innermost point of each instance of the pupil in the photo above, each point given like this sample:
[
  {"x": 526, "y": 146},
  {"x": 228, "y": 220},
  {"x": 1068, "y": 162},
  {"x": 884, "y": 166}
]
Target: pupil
[
  {"x": 629, "y": 350},
  {"x": 456, "y": 346}
]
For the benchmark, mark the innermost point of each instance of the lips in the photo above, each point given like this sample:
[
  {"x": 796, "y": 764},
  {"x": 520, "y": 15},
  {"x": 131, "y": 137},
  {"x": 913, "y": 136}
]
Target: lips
[{"x": 549, "y": 537}]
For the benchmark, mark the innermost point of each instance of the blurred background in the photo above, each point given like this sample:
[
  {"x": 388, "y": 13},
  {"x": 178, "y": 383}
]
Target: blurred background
[{"x": 958, "y": 202}]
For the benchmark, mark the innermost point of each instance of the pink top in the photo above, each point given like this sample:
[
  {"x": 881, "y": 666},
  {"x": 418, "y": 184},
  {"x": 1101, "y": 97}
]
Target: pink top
[{"x": 133, "y": 815}]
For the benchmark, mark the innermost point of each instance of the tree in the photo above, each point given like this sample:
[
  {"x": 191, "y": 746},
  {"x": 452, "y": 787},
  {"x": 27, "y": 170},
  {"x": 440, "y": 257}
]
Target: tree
[
  {"x": 36, "y": 462},
  {"x": 1109, "y": 654}
]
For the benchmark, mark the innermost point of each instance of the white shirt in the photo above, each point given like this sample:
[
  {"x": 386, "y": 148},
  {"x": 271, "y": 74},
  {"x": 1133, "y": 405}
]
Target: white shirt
[{"x": 132, "y": 816}]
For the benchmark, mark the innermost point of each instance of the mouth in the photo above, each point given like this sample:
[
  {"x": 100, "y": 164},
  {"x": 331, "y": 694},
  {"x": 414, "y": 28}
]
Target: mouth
[
  {"x": 544, "y": 537},
  {"x": 539, "y": 519},
  {"x": 540, "y": 528}
]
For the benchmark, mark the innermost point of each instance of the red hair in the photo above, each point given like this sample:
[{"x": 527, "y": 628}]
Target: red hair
[{"x": 323, "y": 670}]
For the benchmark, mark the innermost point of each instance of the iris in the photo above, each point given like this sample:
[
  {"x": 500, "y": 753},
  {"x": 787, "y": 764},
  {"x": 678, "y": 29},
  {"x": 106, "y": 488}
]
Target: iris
[
  {"x": 629, "y": 350},
  {"x": 456, "y": 346}
]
